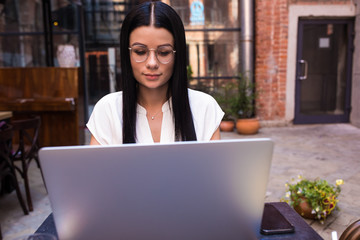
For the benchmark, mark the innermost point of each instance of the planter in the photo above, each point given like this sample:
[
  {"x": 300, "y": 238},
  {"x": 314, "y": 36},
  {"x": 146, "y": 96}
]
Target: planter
[
  {"x": 227, "y": 125},
  {"x": 304, "y": 209},
  {"x": 247, "y": 126}
]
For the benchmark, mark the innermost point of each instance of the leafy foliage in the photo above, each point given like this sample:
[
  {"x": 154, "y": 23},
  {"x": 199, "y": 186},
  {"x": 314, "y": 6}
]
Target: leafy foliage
[
  {"x": 321, "y": 196},
  {"x": 226, "y": 97},
  {"x": 244, "y": 105},
  {"x": 237, "y": 98}
]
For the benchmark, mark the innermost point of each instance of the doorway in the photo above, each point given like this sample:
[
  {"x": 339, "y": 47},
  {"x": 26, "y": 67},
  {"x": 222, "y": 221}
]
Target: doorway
[{"x": 323, "y": 71}]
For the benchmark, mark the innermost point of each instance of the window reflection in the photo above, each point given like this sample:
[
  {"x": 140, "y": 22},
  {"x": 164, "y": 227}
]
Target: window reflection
[{"x": 21, "y": 43}]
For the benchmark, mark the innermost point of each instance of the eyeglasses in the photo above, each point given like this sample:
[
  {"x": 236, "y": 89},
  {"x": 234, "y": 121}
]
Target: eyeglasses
[{"x": 164, "y": 54}]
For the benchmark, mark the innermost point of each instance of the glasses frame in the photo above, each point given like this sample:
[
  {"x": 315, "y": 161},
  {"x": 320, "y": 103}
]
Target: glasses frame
[{"x": 156, "y": 55}]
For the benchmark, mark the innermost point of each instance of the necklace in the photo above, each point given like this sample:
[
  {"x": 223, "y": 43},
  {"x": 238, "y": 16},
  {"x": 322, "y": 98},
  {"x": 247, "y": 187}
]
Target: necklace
[{"x": 153, "y": 117}]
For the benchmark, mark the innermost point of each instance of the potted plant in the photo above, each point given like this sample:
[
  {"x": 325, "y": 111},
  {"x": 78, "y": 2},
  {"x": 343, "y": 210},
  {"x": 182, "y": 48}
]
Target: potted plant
[
  {"x": 226, "y": 96},
  {"x": 244, "y": 106},
  {"x": 313, "y": 199}
]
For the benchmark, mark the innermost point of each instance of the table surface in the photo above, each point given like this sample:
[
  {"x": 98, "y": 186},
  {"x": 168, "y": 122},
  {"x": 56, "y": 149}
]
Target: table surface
[
  {"x": 5, "y": 115},
  {"x": 302, "y": 230}
]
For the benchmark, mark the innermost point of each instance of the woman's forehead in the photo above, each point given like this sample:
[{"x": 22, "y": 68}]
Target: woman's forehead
[{"x": 151, "y": 36}]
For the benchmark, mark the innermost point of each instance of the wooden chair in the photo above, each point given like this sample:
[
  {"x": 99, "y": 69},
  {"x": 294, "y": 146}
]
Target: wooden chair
[
  {"x": 352, "y": 232},
  {"x": 7, "y": 169},
  {"x": 27, "y": 149}
]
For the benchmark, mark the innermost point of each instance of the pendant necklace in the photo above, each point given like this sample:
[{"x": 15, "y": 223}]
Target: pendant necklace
[{"x": 153, "y": 117}]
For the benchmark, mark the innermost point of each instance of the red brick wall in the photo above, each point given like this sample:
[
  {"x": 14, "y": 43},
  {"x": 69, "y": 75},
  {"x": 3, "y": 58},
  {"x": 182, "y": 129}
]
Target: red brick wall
[
  {"x": 271, "y": 21},
  {"x": 271, "y": 30}
]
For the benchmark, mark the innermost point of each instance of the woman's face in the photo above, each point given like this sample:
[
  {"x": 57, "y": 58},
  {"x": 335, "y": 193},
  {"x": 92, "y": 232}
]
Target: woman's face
[{"x": 152, "y": 73}]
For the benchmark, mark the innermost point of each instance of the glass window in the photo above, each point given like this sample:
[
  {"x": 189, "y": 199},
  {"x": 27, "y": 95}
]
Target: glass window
[
  {"x": 212, "y": 36},
  {"x": 64, "y": 17},
  {"x": 213, "y": 54},
  {"x": 104, "y": 20},
  {"x": 21, "y": 39},
  {"x": 30, "y": 19},
  {"x": 22, "y": 51}
]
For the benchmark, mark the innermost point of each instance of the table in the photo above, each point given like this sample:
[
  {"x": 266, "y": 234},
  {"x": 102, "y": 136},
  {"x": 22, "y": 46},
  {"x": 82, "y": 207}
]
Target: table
[
  {"x": 4, "y": 115},
  {"x": 302, "y": 230}
]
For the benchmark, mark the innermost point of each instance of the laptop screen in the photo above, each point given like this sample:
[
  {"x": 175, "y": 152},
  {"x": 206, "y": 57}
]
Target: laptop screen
[{"x": 184, "y": 190}]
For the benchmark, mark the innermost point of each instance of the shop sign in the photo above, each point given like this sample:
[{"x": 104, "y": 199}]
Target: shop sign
[{"x": 197, "y": 16}]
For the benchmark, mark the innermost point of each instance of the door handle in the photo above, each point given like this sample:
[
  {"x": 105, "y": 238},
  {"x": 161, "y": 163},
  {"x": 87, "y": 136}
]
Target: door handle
[{"x": 304, "y": 77}]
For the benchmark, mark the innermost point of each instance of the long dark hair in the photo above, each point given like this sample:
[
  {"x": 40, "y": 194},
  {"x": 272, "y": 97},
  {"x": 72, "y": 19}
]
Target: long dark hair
[{"x": 164, "y": 17}]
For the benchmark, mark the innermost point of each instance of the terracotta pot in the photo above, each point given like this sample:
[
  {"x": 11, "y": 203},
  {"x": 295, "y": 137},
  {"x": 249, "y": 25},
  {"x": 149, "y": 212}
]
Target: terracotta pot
[
  {"x": 227, "y": 125},
  {"x": 248, "y": 126},
  {"x": 304, "y": 209}
]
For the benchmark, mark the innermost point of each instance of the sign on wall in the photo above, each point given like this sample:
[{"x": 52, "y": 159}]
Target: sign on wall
[{"x": 197, "y": 16}]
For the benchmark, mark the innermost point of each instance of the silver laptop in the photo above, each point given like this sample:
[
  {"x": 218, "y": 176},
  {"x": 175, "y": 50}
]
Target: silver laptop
[{"x": 185, "y": 190}]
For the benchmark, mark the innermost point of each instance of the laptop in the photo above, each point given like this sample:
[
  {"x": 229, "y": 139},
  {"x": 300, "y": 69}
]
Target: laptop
[{"x": 183, "y": 190}]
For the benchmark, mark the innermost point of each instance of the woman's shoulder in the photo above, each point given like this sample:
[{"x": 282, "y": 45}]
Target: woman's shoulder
[
  {"x": 195, "y": 95},
  {"x": 110, "y": 98}
]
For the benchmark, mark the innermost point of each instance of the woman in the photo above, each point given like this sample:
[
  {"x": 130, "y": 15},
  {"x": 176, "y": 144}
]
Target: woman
[{"x": 155, "y": 104}]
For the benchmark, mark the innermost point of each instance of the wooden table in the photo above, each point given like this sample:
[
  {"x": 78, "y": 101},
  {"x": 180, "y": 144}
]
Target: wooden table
[
  {"x": 302, "y": 230},
  {"x": 4, "y": 115}
]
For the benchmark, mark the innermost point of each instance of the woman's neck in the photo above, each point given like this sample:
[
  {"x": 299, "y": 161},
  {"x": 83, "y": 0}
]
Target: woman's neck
[{"x": 152, "y": 99}]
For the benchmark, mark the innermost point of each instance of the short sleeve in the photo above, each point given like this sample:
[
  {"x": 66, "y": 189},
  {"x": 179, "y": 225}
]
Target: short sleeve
[
  {"x": 105, "y": 122},
  {"x": 207, "y": 114}
]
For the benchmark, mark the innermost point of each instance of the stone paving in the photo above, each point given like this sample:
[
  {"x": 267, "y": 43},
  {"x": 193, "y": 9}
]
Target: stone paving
[{"x": 330, "y": 151}]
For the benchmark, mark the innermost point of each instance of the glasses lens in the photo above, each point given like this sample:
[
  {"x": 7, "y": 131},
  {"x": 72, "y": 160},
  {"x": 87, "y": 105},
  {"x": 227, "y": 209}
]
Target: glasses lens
[
  {"x": 139, "y": 53},
  {"x": 165, "y": 54}
]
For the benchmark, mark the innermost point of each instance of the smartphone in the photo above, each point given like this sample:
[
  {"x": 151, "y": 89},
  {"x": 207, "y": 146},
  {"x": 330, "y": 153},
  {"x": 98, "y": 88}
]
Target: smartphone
[{"x": 274, "y": 222}]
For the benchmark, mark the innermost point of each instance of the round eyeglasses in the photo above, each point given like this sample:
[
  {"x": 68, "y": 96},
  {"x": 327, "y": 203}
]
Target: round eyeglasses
[{"x": 164, "y": 54}]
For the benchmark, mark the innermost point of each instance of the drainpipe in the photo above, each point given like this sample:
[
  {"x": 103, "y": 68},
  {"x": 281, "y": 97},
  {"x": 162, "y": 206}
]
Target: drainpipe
[{"x": 246, "y": 12}]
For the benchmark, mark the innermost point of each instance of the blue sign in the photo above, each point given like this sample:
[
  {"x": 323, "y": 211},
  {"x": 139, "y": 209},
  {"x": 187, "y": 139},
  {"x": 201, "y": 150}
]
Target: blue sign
[{"x": 197, "y": 16}]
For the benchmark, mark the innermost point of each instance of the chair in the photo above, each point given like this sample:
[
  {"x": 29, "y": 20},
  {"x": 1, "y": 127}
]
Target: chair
[
  {"x": 7, "y": 171},
  {"x": 27, "y": 149},
  {"x": 352, "y": 232}
]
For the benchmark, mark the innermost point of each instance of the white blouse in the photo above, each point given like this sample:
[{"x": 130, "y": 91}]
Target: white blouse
[{"x": 105, "y": 123}]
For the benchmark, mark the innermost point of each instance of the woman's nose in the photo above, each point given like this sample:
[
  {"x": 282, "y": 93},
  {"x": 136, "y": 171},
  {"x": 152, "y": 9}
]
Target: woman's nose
[{"x": 152, "y": 60}]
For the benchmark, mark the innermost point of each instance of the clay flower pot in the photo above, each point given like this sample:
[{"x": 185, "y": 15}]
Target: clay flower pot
[
  {"x": 247, "y": 125},
  {"x": 304, "y": 209},
  {"x": 227, "y": 125}
]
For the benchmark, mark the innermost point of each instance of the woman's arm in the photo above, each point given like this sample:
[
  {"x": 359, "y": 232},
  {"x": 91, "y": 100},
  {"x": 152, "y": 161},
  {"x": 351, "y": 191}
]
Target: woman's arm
[
  {"x": 216, "y": 135},
  {"x": 93, "y": 141}
]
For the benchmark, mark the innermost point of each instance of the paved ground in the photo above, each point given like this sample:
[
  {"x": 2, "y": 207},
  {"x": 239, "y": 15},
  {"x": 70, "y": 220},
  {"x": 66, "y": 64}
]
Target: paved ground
[{"x": 329, "y": 151}]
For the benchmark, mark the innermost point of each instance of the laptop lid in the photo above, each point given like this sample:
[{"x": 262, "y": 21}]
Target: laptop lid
[{"x": 183, "y": 190}]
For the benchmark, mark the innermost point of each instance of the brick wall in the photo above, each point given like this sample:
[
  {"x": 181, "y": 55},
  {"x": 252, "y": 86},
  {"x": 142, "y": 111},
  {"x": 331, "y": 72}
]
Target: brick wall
[
  {"x": 271, "y": 21},
  {"x": 271, "y": 42}
]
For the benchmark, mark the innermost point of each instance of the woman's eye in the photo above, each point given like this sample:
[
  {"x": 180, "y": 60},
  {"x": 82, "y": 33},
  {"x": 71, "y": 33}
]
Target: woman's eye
[
  {"x": 164, "y": 53},
  {"x": 140, "y": 51}
]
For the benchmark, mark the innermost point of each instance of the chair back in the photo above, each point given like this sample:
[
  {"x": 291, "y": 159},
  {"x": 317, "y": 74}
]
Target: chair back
[
  {"x": 28, "y": 134},
  {"x": 352, "y": 232},
  {"x": 6, "y": 135}
]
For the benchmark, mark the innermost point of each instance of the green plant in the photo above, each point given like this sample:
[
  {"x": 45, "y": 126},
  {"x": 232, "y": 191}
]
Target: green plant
[
  {"x": 189, "y": 72},
  {"x": 318, "y": 193},
  {"x": 244, "y": 105},
  {"x": 226, "y": 96}
]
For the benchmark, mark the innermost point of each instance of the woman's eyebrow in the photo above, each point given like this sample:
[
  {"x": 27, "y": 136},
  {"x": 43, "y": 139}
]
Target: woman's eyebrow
[
  {"x": 137, "y": 43},
  {"x": 141, "y": 44},
  {"x": 166, "y": 44}
]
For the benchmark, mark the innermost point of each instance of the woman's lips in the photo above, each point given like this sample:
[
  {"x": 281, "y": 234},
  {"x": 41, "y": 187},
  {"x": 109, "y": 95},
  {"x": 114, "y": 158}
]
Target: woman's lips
[{"x": 152, "y": 76}]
